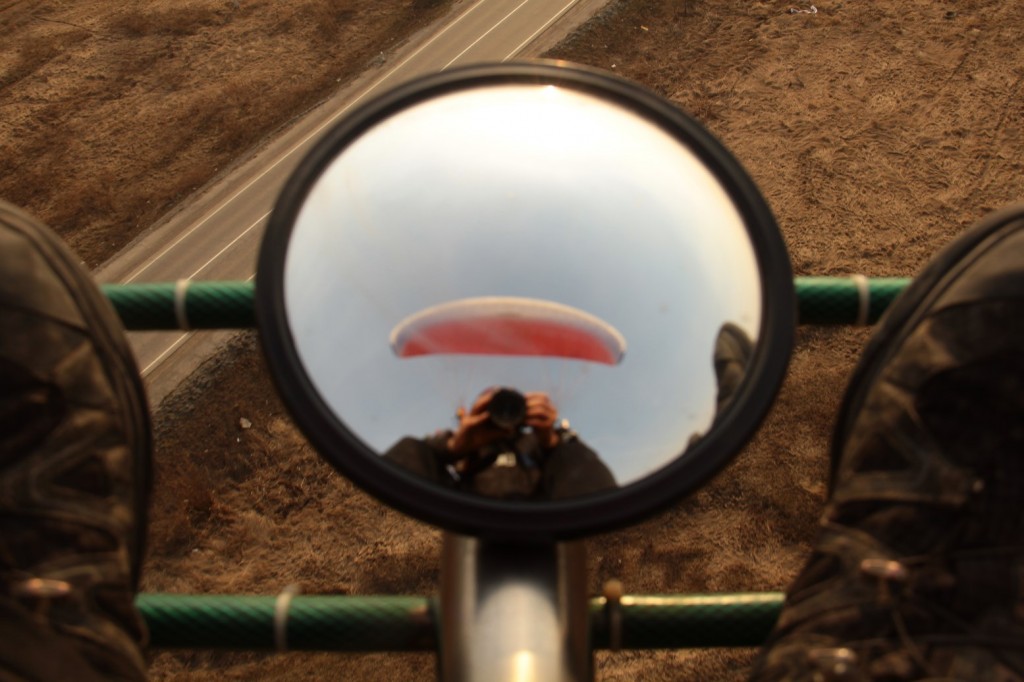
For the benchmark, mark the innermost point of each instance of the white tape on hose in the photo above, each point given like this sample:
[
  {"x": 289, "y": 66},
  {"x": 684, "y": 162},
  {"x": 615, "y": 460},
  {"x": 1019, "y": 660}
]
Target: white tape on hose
[
  {"x": 180, "y": 311},
  {"x": 281, "y": 606},
  {"x": 863, "y": 299}
]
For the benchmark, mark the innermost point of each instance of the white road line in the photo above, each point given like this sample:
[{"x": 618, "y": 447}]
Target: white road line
[
  {"x": 167, "y": 351},
  {"x": 383, "y": 78},
  {"x": 229, "y": 245},
  {"x": 145, "y": 266},
  {"x": 473, "y": 44},
  {"x": 540, "y": 30},
  {"x": 329, "y": 121}
]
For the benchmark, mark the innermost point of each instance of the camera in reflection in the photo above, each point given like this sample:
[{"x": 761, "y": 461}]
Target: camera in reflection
[
  {"x": 510, "y": 445},
  {"x": 507, "y": 409}
]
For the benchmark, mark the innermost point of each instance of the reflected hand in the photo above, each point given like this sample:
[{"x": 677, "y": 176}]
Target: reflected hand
[
  {"x": 475, "y": 428},
  {"x": 541, "y": 416}
]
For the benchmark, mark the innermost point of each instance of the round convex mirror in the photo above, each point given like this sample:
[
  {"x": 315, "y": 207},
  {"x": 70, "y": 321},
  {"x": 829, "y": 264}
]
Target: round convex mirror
[{"x": 524, "y": 300}]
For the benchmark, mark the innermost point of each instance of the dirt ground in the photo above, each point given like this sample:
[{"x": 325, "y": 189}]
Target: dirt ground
[{"x": 877, "y": 132}]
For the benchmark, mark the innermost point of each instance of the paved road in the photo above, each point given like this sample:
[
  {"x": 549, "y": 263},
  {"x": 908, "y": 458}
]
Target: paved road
[{"x": 217, "y": 235}]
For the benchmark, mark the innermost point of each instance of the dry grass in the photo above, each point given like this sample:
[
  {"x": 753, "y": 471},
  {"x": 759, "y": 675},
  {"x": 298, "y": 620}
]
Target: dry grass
[
  {"x": 137, "y": 22},
  {"x": 112, "y": 117}
]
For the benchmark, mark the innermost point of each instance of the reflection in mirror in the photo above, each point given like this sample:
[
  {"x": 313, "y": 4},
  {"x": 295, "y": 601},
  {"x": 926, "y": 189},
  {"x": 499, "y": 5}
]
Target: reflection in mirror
[
  {"x": 510, "y": 446},
  {"x": 519, "y": 235}
]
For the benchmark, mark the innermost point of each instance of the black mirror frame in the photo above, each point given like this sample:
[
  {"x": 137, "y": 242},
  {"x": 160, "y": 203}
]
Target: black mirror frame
[{"x": 535, "y": 521}]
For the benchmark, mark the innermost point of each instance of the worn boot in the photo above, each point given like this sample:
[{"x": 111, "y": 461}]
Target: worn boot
[
  {"x": 918, "y": 571},
  {"x": 74, "y": 468}
]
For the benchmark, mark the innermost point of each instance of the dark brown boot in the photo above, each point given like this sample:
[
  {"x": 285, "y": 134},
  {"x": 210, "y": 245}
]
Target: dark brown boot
[
  {"x": 918, "y": 571},
  {"x": 74, "y": 467}
]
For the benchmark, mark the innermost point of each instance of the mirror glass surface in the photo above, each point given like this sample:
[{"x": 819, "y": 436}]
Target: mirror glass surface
[{"x": 535, "y": 237}]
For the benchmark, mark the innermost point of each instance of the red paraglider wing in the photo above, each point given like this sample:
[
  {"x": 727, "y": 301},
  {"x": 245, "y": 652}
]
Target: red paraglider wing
[{"x": 503, "y": 325}]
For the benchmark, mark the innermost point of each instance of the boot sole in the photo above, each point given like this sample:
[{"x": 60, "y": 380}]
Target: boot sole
[{"x": 107, "y": 333}]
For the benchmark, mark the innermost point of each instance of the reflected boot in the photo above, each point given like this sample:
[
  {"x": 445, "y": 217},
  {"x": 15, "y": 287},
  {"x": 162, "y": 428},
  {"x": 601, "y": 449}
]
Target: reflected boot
[
  {"x": 918, "y": 570},
  {"x": 733, "y": 349},
  {"x": 74, "y": 468}
]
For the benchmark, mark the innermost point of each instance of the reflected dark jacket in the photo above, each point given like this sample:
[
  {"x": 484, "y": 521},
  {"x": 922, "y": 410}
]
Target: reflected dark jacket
[{"x": 570, "y": 469}]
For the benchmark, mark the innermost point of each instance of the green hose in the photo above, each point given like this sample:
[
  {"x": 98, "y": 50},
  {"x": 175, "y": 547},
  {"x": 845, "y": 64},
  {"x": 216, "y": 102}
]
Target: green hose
[
  {"x": 323, "y": 623},
  {"x": 229, "y": 305},
  {"x": 391, "y": 623},
  {"x": 846, "y": 300},
  {"x": 184, "y": 305}
]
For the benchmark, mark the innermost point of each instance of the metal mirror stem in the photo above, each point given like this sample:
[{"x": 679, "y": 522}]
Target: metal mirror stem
[{"x": 513, "y": 612}]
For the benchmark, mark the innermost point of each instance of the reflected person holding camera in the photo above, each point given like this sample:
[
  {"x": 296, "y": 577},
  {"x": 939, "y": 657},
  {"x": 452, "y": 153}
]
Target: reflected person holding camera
[{"x": 508, "y": 446}]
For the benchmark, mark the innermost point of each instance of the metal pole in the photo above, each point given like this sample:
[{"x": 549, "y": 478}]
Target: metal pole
[{"x": 513, "y": 612}]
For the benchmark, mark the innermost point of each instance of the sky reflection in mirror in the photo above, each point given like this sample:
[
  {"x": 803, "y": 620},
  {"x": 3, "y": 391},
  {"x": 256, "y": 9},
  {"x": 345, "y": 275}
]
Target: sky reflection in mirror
[{"x": 532, "y": 192}]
